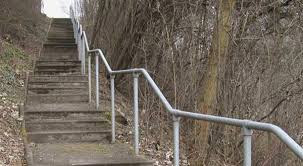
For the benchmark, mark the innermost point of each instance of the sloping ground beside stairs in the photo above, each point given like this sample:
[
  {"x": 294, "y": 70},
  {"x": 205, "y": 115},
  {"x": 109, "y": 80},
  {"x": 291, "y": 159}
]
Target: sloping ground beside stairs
[{"x": 60, "y": 126}]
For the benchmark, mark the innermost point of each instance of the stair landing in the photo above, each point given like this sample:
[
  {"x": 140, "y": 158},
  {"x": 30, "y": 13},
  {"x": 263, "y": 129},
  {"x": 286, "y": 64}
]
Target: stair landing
[{"x": 86, "y": 154}]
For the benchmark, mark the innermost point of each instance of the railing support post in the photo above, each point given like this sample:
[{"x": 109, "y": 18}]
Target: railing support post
[
  {"x": 89, "y": 79},
  {"x": 112, "y": 89},
  {"x": 176, "y": 130},
  {"x": 97, "y": 81},
  {"x": 136, "y": 113},
  {"x": 247, "y": 134},
  {"x": 82, "y": 54},
  {"x": 79, "y": 42}
]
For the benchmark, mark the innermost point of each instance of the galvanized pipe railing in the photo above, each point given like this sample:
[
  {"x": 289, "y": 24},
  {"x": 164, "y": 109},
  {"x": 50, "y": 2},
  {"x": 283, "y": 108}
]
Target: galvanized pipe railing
[{"x": 246, "y": 125}]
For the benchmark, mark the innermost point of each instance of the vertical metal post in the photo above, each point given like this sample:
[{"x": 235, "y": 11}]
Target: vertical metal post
[
  {"x": 89, "y": 78},
  {"x": 112, "y": 89},
  {"x": 136, "y": 113},
  {"x": 76, "y": 32},
  {"x": 79, "y": 48},
  {"x": 79, "y": 42},
  {"x": 74, "y": 27},
  {"x": 247, "y": 134},
  {"x": 83, "y": 55},
  {"x": 176, "y": 128},
  {"x": 97, "y": 81}
]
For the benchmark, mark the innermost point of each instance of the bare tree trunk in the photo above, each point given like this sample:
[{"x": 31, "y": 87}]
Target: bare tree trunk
[{"x": 217, "y": 57}]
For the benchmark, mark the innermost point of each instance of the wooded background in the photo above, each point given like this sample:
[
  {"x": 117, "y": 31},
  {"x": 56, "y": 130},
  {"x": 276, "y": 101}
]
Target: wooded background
[{"x": 240, "y": 59}]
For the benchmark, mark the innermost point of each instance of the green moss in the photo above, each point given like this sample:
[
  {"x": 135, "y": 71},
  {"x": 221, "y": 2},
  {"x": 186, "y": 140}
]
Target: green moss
[
  {"x": 24, "y": 134},
  {"x": 13, "y": 63},
  {"x": 108, "y": 116},
  {"x": 11, "y": 52}
]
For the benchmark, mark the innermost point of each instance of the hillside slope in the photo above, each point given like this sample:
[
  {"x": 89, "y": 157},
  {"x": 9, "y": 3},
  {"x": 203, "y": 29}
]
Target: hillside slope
[{"x": 21, "y": 35}]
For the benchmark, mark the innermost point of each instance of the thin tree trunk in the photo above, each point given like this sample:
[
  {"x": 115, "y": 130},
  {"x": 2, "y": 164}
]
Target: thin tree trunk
[{"x": 217, "y": 57}]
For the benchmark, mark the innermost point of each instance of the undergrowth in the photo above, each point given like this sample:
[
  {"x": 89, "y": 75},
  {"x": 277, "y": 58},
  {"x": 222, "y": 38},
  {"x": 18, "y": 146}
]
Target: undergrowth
[{"x": 14, "y": 62}]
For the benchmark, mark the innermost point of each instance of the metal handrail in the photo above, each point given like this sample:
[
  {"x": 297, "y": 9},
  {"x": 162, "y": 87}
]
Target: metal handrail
[{"x": 246, "y": 125}]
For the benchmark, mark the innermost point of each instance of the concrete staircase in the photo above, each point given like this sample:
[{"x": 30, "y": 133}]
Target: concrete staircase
[{"x": 60, "y": 126}]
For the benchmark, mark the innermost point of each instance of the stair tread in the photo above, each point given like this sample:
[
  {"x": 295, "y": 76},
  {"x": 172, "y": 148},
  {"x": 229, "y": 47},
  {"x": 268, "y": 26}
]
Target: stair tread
[
  {"x": 63, "y": 107},
  {"x": 57, "y": 70},
  {"x": 61, "y": 38},
  {"x": 60, "y": 45},
  {"x": 48, "y": 85},
  {"x": 69, "y": 131},
  {"x": 58, "y": 94},
  {"x": 47, "y": 75},
  {"x": 58, "y": 81},
  {"x": 58, "y": 61},
  {"x": 86, "y": 154},
  {"x": 63, "y": 65},
  {"x": 66, "y": 121},
  {"x": 79, "y": 111}
]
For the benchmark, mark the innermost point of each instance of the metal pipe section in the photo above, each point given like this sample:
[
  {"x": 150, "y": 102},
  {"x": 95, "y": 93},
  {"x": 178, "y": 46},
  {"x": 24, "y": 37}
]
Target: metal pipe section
[
  {"x": 107, "y": 66},
  {"x": 85, "y": 41},
  {"x": 89, "y": 79},
  {"x": 112, "y": 89},
  {"x": 176, "y": 128},
  {"x": 136, "y": 113},
  {"x": 97, "y": 81},
  {"x": 284, "y": 137},
  {"x": 151, "y": 83},
  {"x": 247, "y": 136}
]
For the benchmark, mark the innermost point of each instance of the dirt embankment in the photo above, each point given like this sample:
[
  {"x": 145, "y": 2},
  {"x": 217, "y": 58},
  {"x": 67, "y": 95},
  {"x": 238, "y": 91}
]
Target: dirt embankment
[{"x": 18, "y": 51}]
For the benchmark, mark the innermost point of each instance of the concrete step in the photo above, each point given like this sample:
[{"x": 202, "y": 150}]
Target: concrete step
[
  {"x": 51, "y": 52},
  {"x": 57, "y": 90},
  {"x": 57, "y": 84},
  {"x": 60, "y": 27},
  {"x": 52, "y": 78},
  {"x": 72, "y": 110},
  {"x": 63, "y": 34},
  {"x": 60, "y": 44},
  {"x": 57, "y": 98},
  {"x": 61, "y": 22},
  {"x": 60, "y": 40},
  {"x": 54, "y": 62},
  {"x": 69, "y": 107},
  {"x": 122, "y": 162},
  {"x": 58, "y": 124},
  {"x": 58, "y": 72},
  {"x": 59, "y": 48},
  {"x": 86, "y": 154},
  {"x": 58, "y": 66},
  {"x": 68, "y": 136},
  {"x": 58, "y": 57},
  {"x": 64, "y": 114},
  {"x": 60, "y": 32}
]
